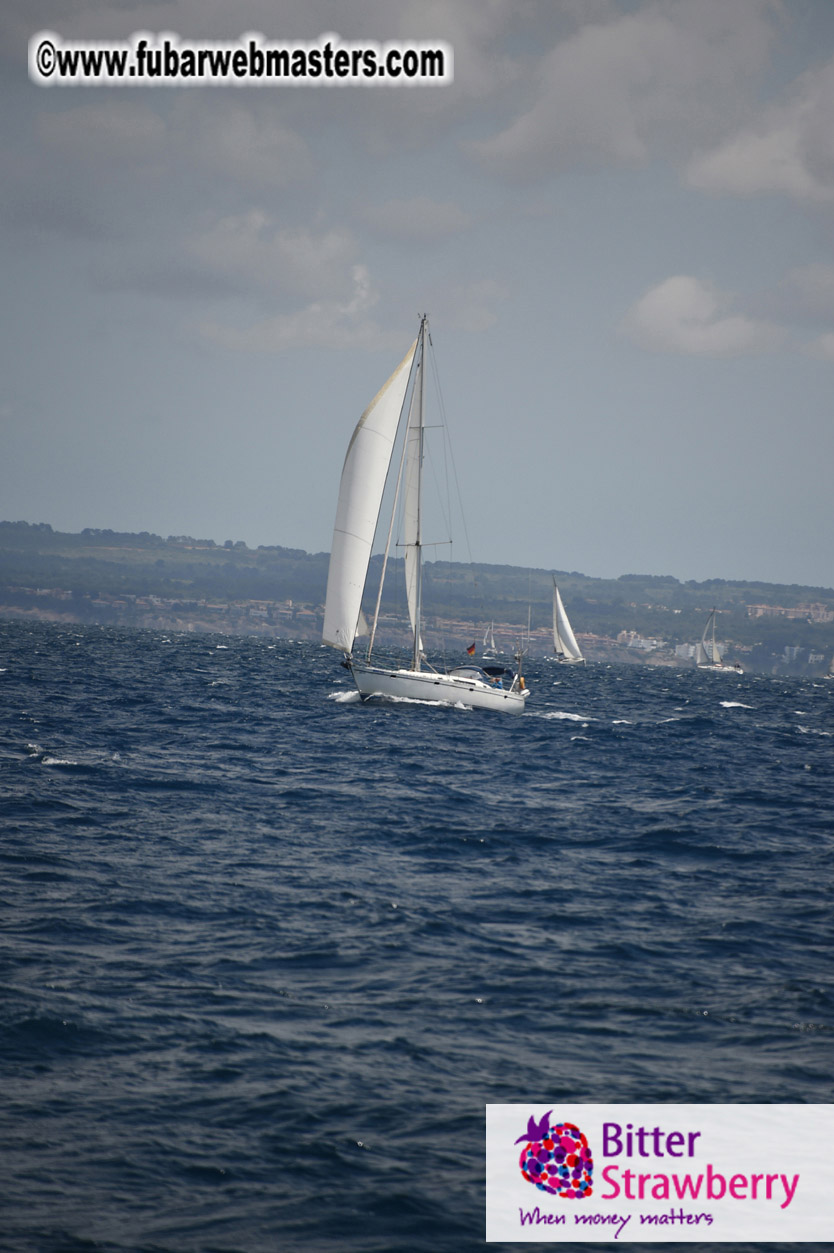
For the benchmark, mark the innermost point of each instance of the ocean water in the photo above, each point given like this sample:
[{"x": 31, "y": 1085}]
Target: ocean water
[{"x": 266, "y": 953}]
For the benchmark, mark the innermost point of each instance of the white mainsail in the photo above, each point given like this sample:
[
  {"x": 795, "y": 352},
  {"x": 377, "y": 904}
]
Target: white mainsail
[
  {"x": 564, "y": 640},
  {"x": 360, "y": 496}
]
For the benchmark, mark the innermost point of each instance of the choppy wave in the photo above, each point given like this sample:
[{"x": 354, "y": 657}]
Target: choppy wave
[{"x": 268, "y": 951}]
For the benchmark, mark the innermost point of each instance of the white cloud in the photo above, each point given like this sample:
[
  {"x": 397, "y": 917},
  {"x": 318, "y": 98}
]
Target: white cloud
[
  {"x": 251, "y": 253},
  {"x": 109, "y": 131},
  {"x": 624, "y": 90},
  {"x": 685, "y": 315},
  {"x": 251, "y": 148},
  {"x": 822, "y": 347},
  {"x": 473, "y": 307},
  {"x": 326, "y": 323},
  {"x": 790, "y": 151},
  {"x": 811, "y": 291},
  {"x": 419, "y": 219}
]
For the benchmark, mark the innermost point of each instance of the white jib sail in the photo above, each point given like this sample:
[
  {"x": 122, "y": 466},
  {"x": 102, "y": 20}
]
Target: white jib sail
[
  {"x": 360, "y": 496},
  {"x": 564, "y": 640}
]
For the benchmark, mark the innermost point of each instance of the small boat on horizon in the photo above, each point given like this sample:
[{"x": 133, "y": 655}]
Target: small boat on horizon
[
  {"x": 490, "y": 651},
  {"x": 708, "y": 654},
  {"x": 565, "y": 647}
]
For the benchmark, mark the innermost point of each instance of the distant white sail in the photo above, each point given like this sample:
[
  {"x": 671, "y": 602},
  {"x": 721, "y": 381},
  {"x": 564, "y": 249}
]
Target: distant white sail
[
  {"x": 701, "y": 658},
  {"x": 709, "y": 650},
  {"x": 564, "y": 640},
  {"x": 360, "y": 496},
  {"x": 708, "y": 654}
]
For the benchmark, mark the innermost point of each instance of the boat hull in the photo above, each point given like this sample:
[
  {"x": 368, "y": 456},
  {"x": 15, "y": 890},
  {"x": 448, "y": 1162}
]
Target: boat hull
[{"x": 426, "y": 685}]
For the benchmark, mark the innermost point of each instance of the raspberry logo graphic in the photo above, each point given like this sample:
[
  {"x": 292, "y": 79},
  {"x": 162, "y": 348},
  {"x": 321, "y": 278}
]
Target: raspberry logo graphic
[{"x": 556, "y": 1158}]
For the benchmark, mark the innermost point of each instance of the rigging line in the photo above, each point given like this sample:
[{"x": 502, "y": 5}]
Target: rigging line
[
  {"x": 452, "y": 477},
  {"x": 449, "y": 451}
]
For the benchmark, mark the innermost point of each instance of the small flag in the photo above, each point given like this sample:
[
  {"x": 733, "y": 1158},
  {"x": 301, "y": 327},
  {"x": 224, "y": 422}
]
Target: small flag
[{"x": 471, "y": 649}]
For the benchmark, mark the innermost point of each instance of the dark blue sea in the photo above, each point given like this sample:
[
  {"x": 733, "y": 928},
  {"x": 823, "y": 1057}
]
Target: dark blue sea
[{"x": 267, "y": 953}]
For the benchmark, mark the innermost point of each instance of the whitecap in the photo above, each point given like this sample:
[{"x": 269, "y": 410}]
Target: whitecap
[
  {"x": 344, "y": 698},
  {"x": 735, "y": 704},
  {"x": 569, "y": 717},
  {"x": 388, "y": 698}
]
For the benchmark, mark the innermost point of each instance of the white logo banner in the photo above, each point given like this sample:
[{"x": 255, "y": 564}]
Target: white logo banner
[{"x": 675, "y": 1173}]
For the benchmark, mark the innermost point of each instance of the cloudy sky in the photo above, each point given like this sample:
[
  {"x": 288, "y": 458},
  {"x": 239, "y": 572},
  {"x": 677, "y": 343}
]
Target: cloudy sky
[{"x": 619, "y": 216}]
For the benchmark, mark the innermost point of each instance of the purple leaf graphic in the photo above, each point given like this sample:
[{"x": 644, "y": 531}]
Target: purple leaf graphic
[{"x": 536, "y": 1130}]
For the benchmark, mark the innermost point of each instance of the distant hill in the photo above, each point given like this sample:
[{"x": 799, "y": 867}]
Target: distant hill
[{"x": 110, "y": 576}]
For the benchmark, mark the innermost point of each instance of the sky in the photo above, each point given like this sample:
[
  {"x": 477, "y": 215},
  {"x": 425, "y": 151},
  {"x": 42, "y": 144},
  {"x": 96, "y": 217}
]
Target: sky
[{"x": 619, "y": 216}]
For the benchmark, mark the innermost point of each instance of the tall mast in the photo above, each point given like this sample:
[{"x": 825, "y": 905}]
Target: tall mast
[{"x": 418, "y": 601}]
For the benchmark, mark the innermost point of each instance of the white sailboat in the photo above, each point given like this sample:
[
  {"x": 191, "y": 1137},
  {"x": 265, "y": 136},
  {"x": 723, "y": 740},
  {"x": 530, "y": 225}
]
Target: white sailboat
[
  {"x": 369, "y": 457},
  {"x": 708, "y": 654},
  {"x": 564, "y": 641},
  {"x": 490, "y": 651}
]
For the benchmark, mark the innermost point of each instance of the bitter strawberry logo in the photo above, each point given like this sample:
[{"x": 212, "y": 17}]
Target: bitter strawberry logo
[{"x": 556, "y": 1158}]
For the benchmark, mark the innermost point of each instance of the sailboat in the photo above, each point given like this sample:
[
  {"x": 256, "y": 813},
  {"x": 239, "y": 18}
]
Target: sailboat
[
  {"x": 564, "y": 641},
  {"x": 390, "y": 424},
  {"x": 830, "y": 672},
  {"x": 490, "y": 651},
  {"x": 708, "y": 654}
]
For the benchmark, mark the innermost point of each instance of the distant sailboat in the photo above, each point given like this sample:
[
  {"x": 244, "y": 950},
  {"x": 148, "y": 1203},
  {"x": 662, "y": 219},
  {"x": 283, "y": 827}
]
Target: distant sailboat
[
  {"x": 830, "y": 674},
  {"x": 708, "y": 654},
  {"x": 490, "y": 651},
  {"x": 564, "y": 641},
  {"x": 393, "y": 420}
]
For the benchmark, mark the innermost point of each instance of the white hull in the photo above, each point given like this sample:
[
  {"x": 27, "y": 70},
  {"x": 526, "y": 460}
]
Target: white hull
[
  {"x": 568, "y": 661},
  {"x": 444, "y": 688},
  {"x": 722, "y": 669}
]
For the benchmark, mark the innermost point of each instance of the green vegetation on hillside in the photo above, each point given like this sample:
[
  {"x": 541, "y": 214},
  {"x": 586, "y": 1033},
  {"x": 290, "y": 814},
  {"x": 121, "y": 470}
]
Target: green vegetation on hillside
[{"x": 82, "y": 573}]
